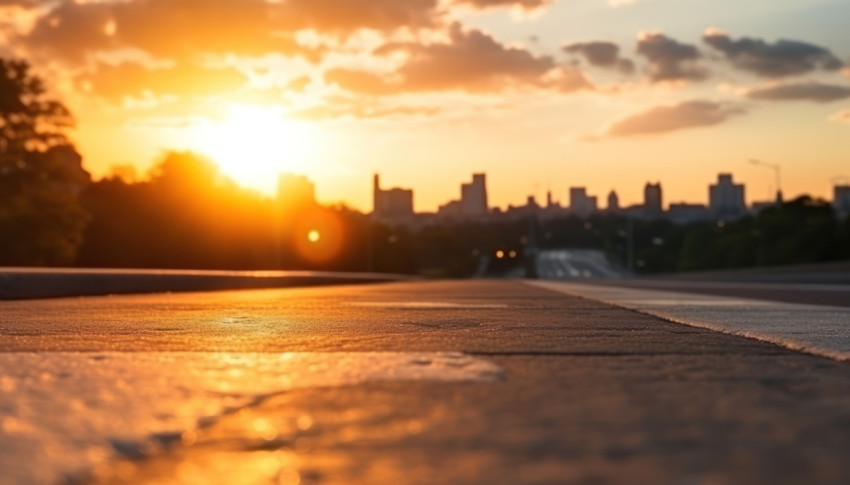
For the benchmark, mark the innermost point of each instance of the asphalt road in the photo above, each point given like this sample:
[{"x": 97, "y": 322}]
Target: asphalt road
[
  {"x": 353, "y": 384},
  {"x": 557, "y": 264},
  {"x": 812, "y": 285}
]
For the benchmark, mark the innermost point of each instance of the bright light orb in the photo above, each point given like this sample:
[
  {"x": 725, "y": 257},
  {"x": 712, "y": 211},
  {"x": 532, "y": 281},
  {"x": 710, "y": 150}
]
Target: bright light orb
[
  {"x": 314, "y": 236},
  {"x": 254, "y": 144}
]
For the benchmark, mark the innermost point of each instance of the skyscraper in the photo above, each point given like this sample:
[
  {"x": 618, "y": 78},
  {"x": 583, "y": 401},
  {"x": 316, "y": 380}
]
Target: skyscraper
[
  {"x": 726, "y": 198},
  {"x": 613, "y": 202},
  {"x": 653, "y": 202},
  {"x": 473, "y": 196}
]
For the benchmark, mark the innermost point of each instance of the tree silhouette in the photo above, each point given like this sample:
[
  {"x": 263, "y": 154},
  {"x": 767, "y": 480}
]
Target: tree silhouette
[{"x": 41, "y": 174}]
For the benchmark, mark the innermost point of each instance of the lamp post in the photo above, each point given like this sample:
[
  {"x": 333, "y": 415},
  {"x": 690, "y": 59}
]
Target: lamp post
[{"x": 776, "y": 169}]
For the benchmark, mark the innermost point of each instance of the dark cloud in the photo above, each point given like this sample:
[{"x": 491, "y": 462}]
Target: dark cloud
[
  {"x": 20, "y": 3},
  {"x": 601, "y": 54},
  {"x": 817, "y": 92},
  {"x": 345, "y": 16},
  {"x": 670, "y": 60},
  {"x": 175, "y": 28},
  {"x": 117, "y": 82},
  {"x": 71, "y": 30},
  {"x": 472, "y": 61},
  {"x": 782, "y": 58},
  {"x": 664, "y": 119}
]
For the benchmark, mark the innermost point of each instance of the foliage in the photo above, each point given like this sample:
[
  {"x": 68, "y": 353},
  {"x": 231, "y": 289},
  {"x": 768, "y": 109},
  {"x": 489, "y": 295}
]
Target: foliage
[{"x": 41, "y": 174}]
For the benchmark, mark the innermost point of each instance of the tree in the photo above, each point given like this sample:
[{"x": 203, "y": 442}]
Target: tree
[{"x": 41, "y": 174}]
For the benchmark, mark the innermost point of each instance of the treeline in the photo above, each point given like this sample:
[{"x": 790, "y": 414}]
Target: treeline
[
  {"x": 803, "y": 230},
  {"x": 186, "y": 214}
]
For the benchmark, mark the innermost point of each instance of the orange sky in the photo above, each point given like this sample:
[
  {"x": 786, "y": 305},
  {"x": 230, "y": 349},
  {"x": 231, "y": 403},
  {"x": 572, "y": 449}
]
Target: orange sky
[{"x": 541, "y": 95}]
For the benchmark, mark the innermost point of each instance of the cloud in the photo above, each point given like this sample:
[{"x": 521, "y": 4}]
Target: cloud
[
  {"x": 184, "y": 28},
  {"x": 665, "y": 119},
  {"x": 185, "y": 79},
  {"x": 780, "y": 59},
  {"x": 670, "y": 60},
  {"x": 345, "y": 16},
  {"x": 601, "y": 54},
  {"x": 812, "y": 91},
  {"x": 19, "y": 3},
  {"x": 471, "y": 61},
  {"x": 842, "y": 116}
]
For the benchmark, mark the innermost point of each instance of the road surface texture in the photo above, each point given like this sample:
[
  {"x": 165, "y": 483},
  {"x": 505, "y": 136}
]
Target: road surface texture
[{"x": 478, "y": 382}]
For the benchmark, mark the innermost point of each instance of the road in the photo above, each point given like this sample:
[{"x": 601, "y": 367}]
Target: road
[
  {"x": 813, "y": 285},
  {"x": 556, "y": 264},
  {"x": 404, "y": 383}
]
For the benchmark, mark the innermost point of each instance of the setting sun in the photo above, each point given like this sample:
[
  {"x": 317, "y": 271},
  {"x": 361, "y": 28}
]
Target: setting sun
[{"x": 253, "y": 144}]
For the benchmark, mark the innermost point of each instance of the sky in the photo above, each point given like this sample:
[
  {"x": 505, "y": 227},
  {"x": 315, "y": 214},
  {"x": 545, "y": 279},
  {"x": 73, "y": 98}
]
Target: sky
[{"x": 539, "y": 94}]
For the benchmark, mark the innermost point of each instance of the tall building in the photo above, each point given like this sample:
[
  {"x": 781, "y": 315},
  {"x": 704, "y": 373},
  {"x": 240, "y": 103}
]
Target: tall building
[
  {"x": 391, "y": 204},
  {"x": 295, "y": 192},
  {"x": 726, "y": 198},
  {"x": 841, "y": 199},
  {"x": 613, "y": 202},
  {"x": 473, "y": 196},
  {"x": 653, "y": 202},
  {"x": 581, "y": 204}
]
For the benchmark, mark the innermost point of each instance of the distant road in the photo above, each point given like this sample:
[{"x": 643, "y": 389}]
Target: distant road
[
  {"x": 822, "y": 284},
  {"x": 553, "y": 264}
]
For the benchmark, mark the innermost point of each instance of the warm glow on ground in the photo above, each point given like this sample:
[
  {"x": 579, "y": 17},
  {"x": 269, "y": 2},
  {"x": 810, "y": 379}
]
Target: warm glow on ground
[{"x": 256, "y": 143}]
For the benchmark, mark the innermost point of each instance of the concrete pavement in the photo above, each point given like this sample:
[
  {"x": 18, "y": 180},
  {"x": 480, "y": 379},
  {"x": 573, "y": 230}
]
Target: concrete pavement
[
  {"x": 817, "y": 329},
  {"x": 560, "y": 389}
]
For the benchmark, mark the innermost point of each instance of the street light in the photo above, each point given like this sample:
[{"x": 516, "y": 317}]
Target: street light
[{"x": 776, "y": 169}]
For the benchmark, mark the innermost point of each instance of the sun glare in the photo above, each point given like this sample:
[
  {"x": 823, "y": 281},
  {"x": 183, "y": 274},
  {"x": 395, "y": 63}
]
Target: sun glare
[{"x": 256, "y": 143}]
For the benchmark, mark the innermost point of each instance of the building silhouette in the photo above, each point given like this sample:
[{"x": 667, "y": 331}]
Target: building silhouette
[
  {"x": 726, "y": 198},
  {"x": 473, "y": 196},
  {"x": 653, "y": 202},
  {"x": 613, "y": 202},
  {"x": 472, "y": 203},
  {"x": 393, "y": 204},
  {"x": 726, "y": 202},
  {"x": 841, "y": 199},
  {"x": 582, "y": 204}
]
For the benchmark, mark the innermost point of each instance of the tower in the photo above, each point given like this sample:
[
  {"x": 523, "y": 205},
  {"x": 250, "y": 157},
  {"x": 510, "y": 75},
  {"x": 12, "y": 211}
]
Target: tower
[
  {"x": 653, "y": 203},
  {"x": 376, "y": 194}
]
